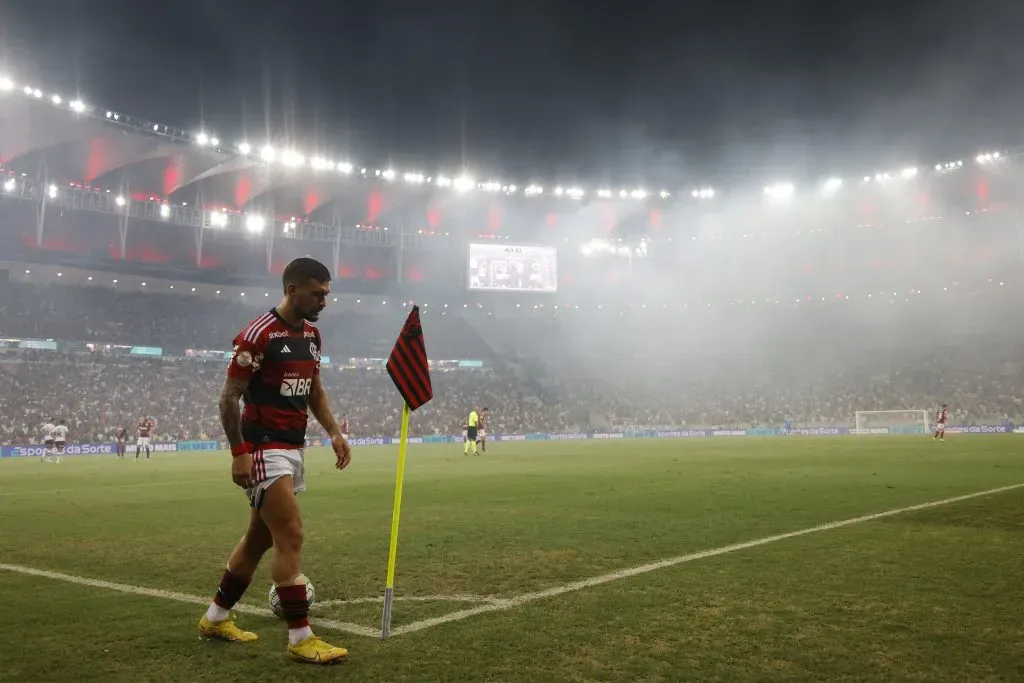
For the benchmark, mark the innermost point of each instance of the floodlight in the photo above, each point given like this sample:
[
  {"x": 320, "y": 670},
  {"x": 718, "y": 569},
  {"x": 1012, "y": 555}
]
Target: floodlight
[
  {"x": 255, "y": 224},
  {"x": 833, "y": 184}
]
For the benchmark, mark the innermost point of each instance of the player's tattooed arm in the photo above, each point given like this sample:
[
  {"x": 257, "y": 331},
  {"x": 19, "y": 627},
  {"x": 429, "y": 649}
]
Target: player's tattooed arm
[
  {"x": 230, "y": 415},
  {"x": 321, "y": 408}
]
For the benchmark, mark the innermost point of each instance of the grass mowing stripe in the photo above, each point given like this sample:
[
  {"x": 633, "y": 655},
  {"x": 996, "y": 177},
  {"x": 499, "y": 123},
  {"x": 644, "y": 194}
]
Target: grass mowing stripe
[
  {"x": 520, "y": 600},
  {"x": 497, "y": 604},
  {"x": 36, "y": 492}
]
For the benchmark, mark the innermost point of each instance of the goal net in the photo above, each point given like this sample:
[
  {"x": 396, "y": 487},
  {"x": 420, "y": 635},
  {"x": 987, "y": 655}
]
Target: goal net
[{"x": 892, "y": 422}]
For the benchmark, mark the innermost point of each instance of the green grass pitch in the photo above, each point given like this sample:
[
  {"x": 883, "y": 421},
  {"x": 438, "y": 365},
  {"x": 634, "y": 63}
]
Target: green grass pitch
[{"x": 493, "y": 549}]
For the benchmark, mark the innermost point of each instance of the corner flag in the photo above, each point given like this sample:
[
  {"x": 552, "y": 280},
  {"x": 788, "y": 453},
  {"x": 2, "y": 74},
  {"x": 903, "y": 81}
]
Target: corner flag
[
  {"x": 407, "y": 364},
  {"x": 409, "y": 370}
]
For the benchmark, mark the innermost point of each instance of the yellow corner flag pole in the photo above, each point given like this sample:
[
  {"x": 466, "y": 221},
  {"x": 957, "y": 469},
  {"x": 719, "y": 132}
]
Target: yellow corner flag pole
[
  {"x": 389, "y": 587},
  {"x": 410, "y": 371}
]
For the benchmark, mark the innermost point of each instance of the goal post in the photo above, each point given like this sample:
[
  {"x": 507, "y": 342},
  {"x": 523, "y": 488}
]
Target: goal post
[{"x": 892, "y": 422}]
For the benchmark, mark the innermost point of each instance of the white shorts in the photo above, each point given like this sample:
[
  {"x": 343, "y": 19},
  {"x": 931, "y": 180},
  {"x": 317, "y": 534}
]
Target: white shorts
[
  {"x": 481, "y": 435},
  {"x": 272, "y": 464},
  {"x": 345, "y": 436},
  {"x": 143, "y": 442},
  {"x": 59, "y": 445},
  {"x": 940, "y": 427}
]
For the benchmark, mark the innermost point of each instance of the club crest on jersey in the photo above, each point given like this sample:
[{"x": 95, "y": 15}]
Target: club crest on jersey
[
  {"x": 298, "y": 386},
  {"x": 314, "y": 351}
]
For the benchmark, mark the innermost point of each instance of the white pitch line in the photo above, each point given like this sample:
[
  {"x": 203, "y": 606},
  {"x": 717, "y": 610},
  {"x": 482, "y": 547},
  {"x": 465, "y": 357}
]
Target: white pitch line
[
  {"x": 411, "y": 598},
  {"x": 331, "y": 624},
  {"x": 520, "y": 600}
]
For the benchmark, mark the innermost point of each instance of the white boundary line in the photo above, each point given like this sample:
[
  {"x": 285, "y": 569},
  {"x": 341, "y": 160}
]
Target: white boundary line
[
  {"x": 479, "y": 599},
  {"x": 331, "y": 624},
  {"x": 525, "y": 598},
  {"x": 496, "y": 604}
]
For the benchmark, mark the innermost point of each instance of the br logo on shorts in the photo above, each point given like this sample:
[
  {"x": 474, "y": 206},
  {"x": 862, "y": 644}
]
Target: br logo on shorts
[{"x": 296, "y": 387}]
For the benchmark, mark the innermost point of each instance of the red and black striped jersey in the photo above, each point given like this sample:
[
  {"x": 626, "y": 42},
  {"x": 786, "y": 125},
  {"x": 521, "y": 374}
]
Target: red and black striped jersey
[
  {"x": 145, "y": 427},
  {"x": 278, "y": 362},
  {"x": 942, "y": 415}
]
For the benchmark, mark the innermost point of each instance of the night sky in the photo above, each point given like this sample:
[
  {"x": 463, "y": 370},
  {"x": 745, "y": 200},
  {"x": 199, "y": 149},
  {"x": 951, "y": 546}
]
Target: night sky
[{"x": 589, "y": 90}]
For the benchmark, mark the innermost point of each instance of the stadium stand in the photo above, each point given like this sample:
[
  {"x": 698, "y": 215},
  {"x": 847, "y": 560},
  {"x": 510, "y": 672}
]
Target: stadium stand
[
  {"x": 738, "y": 307},
  {"x": 570, "y": 372}
]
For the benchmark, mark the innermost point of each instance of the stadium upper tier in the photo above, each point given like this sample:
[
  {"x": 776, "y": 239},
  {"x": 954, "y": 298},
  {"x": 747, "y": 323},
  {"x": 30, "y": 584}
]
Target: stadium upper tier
[{"x": 100, "y": 189}]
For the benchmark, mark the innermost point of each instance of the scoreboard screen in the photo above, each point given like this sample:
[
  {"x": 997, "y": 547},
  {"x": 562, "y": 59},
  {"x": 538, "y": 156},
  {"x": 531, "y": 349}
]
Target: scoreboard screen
[{"x": 512, "y": 268}]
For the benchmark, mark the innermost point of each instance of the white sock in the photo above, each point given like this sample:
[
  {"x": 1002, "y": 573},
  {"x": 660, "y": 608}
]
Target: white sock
[
  {"x": 216, "y": 613},
  {"x": 297, "y": 635}
]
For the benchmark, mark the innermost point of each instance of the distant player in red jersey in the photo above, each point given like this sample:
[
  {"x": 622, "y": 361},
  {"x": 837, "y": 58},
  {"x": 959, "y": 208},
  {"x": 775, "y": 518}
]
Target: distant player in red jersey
[
  {"x": 343, "y": 427},
  {"x": 481, "y": 434},
  {"x": 145, "y": 429},
  {"x": 940, "y": 422},
  {"x": 121, "y": 441},
  {"x": 275, "y": 370}
]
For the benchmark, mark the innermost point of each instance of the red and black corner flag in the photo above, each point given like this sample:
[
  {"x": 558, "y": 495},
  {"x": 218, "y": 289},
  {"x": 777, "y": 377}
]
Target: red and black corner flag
[{"x": 407, "y": 363}]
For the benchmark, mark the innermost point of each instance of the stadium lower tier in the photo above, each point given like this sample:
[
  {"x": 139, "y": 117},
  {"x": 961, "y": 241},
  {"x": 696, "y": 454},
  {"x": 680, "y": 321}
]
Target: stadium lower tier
[{"x": 97, "y": 395}]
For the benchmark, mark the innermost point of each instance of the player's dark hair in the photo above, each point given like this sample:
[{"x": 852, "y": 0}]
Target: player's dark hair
[{"x": 302, "y": 270}]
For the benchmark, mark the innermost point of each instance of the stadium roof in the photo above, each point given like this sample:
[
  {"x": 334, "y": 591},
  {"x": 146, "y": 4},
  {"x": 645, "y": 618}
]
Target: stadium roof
[{"x": 52, "y": 138}]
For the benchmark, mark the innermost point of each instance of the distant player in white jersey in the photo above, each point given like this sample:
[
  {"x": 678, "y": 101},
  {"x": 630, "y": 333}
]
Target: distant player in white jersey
[
  {"x": 60, "y": 439},
  {"x": 48, "y": 430}
]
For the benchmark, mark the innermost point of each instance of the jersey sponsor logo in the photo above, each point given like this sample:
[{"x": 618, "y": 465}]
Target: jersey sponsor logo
[
  {"x": 308, "y": 334},
  {"x": 298, "y": 386},
  {"x": 278, "y": 335}
]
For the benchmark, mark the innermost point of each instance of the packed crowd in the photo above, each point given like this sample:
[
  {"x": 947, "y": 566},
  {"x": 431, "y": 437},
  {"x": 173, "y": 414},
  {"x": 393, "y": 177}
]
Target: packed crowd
[
  {"x": 179, "y": 322},
  {"x": 579, "y": 375},
  {"x": 97, "y": 395}
]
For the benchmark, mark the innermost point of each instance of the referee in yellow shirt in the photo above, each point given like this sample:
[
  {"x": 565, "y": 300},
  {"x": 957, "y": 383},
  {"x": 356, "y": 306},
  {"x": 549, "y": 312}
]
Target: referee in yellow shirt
[{"x": 472, "y": 424}]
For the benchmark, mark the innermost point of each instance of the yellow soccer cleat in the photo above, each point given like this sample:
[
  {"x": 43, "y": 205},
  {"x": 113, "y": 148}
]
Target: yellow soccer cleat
[
  {"x": 315, "y": 651},
  {"x": 225, "y": 630}
]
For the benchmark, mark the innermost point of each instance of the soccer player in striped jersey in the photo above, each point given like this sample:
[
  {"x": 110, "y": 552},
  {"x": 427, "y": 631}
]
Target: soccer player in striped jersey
[{"x": 275, "y": 372}]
